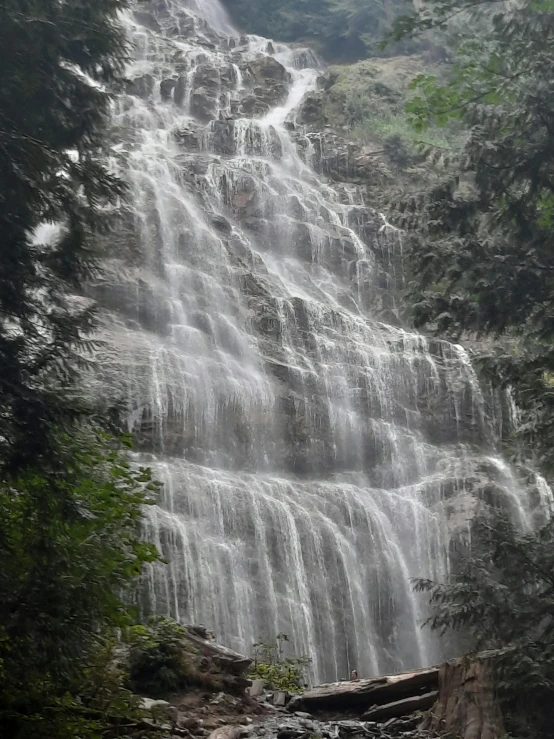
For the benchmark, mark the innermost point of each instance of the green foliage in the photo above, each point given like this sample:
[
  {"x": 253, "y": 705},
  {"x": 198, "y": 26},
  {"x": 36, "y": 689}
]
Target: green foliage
[
  {"x": 99, "y": 705},
  {"x": 53, "y": 113},
  {"x": 160, "y": 658},
  {"x": 277, "y": 671},
  {"x": 341, "y": 29},
  {"x": 70, "y": 503},
  {"x": 70, "y": 548},
  {"x": 502, "y": 598},
  {"x": 480, "y": 236}
]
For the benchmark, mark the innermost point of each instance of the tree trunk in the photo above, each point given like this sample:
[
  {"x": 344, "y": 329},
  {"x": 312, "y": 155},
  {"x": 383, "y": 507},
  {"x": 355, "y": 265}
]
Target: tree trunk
[{"x": 467, "y": 706}]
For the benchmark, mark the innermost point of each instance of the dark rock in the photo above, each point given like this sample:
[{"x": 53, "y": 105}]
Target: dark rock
[
  {"x": 142, "y": 87},
  {"x": 147, "y": 20},
  {"x": 228, "y": 660},
  {"x": 188, "y": 137},
  {"x": 311, "y": 111},
  {"x": 202, "y": 104},
  {"x": 206, "y": 76},
  {"x": 268, "y": 68},
  {"x": 221, "y": 224},
  {"x": 166, "y": 88},
  {"x": 180, "y": 91}
]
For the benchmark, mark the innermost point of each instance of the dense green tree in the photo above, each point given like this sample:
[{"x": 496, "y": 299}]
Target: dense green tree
[
  {"x": 70, "y": 504},
  {"x": 57, "y": 61},
  {"x": 70, "y": 549},
  {"x": 480, "y": 237},
  {"x": 502, "y": 598}
]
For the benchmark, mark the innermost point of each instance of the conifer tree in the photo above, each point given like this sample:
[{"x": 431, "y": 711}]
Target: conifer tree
[
  {"x": 480, "y": 237},
  {"x": 59, "y": 62}
]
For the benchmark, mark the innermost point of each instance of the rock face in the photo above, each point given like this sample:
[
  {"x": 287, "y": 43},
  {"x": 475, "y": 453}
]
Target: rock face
[{"x": 315, "y": 453}]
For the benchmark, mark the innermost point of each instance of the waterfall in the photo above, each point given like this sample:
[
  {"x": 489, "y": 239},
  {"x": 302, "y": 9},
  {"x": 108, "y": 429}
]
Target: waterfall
[{"x": 315, "y": 454}]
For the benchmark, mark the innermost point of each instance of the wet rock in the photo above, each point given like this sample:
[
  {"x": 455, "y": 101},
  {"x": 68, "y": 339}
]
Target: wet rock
[
  {"x": 166, "y": 88},
  {"x": 188, "y": 137},
  {"x": 269, "y": 80},
  {"x": 222, "y": 137},
  {"x": 203, "y": 104},
  {"x": 221, "y": 224},
  {"x": 180, "y": 91},
  {"x": 147, "y": 20},
  {"x": 311, "y": 111},
  {"x": 207, "y": 77},
  {"x": 268, "y": 68},
  {"x": 142, "y": 87},
  {"x": 252, "y": 106}
]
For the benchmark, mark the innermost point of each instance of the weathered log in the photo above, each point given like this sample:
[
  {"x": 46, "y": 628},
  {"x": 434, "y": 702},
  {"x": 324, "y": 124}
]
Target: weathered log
[
  {"x": 402, "y": 707},
  {"x": 358, "y": 696},
  {"x": 467, "y": 706}
]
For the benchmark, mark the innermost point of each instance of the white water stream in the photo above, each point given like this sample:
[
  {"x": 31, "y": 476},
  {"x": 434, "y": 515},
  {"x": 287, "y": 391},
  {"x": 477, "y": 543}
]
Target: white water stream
[{"x": 314, "y": 458}]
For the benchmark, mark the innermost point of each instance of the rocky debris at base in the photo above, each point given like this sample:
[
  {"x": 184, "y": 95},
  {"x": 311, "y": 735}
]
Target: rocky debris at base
[{"x": 301, "y": 727}]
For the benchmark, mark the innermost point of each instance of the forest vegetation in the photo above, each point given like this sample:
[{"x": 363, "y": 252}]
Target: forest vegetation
[
  {"x": 70, "y": 503},
  {"x": 479, "y": 241}
]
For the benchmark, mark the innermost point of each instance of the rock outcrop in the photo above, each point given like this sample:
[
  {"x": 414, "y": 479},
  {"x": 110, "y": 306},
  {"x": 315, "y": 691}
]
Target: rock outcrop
[{"x": 204, "y": 643}]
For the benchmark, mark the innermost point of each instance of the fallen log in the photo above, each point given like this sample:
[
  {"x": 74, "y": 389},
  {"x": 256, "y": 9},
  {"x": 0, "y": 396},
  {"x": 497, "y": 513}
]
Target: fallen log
[
  {"x": 402, "y": 707},
  {"x": 358, "y": 696}
]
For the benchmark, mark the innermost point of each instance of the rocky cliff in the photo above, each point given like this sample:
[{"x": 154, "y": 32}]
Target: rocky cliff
[{"x": 315, "y": 453}]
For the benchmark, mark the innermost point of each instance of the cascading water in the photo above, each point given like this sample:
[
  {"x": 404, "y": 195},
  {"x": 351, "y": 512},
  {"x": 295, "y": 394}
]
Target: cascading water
[{"x": 314, "y": 457}]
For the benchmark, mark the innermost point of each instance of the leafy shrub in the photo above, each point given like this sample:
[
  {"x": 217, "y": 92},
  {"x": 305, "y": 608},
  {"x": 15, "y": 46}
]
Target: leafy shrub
[
  {"x": 277, "y": 671},
  {"x": 160, "y": 661}
]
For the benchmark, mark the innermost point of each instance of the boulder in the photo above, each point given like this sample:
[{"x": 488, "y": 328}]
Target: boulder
[
  {"x": 229, "y": 661},
  {"x": 268, "y": 68},
  {"x": 256, "y": 689},
  {"x": 229, "y": 732}
]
